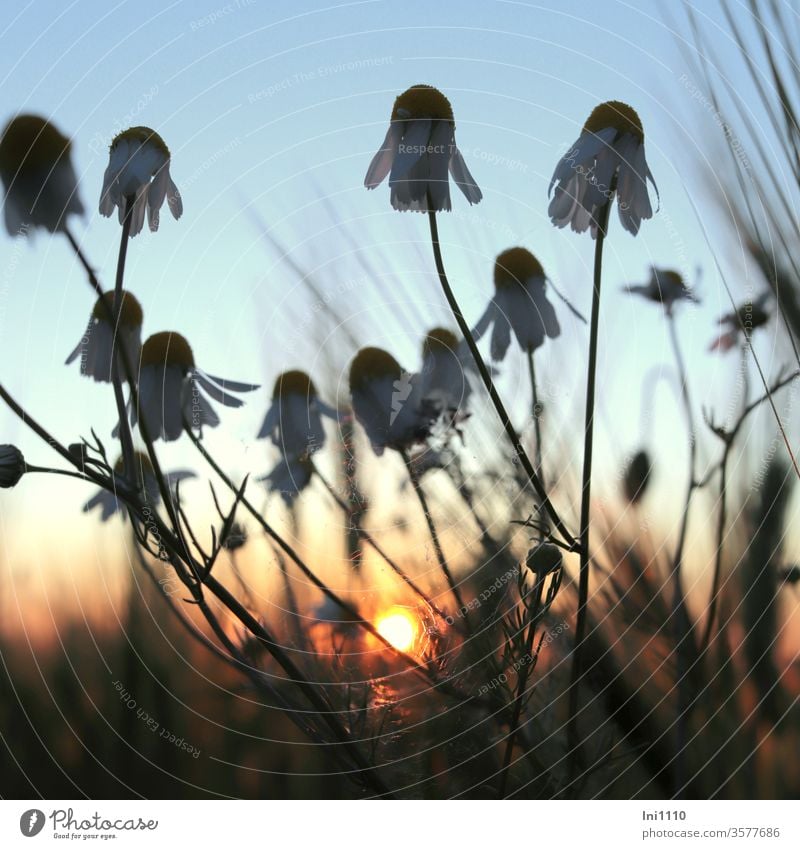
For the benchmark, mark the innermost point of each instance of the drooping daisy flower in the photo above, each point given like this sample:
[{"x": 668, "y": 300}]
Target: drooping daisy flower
[
  {"x": 419, "y": 150},
  {"x": 97, "y": 342},
  {"x": 519, "y": 304},
  {"x": 445, "y": 363},
  {"x": 387, "y": 401},
  {"x": 138, "y": 176},
  {"x": 12, "y": 466},
  {"x": 37, "y": 174},
  {"x": 294, "y": 419},
  {"x": 740, "y": 324},
  {"x": 171, "y": 389},
  {"x": 666, "y": 287},
  {"x": 146, "y": 484},
  {"x": 606, "y": 161}
]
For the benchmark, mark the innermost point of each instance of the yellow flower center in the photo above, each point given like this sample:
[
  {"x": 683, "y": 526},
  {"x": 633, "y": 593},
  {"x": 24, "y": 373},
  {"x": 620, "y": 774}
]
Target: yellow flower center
[
  {"x": 438, "y": 340},
  {"x": 372, "y": 364},
  {"x": 515, "y": 267},
  {"x": 295, "y": 381},
  {"x": 130, "y": 313},
  {"x": 422, "y": 101},
  {"x": 167, "y": 349},
  {"x": 30, "y": 142},
  {"x": 616, "y": 115},
  {"x": 141, "y": 463},
  {"x": 142, "y": 135}
]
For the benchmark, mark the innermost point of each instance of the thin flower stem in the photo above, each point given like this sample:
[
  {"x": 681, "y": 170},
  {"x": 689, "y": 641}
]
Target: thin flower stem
[
  {"x": 680, "y": 617},
  {"x": 486, "y": 377},
  {"x": 729, "y": 438},
  {"x": 125, "y": 436},
  {"x": 379, "y": 550},
  {"x": 93, "y": 281},
  {"x": 47, "y": 471},
  {"x": 536, "y": 412},
  {"x": 573, "y": 734},
  {"x": 437, "y": 546},
  {"x": 127, "y": 366},
  {"x": 721, "y": 523}
]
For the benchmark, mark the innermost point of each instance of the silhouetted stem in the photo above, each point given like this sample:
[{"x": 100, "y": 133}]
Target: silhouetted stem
[
  {"x": 125, "y": 436},
  {"x": 536, "y": 412},
  {"x": 573, "y": 735},
  {"x": 682, "y": 626},
  {"x": 486, "y": 377},
  {"x": 437, "y": 546}
]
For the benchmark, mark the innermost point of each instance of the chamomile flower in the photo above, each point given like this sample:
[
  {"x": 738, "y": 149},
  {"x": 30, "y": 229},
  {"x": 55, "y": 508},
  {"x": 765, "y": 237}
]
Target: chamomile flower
[
  {"x": 387, "y": 401},
  {"x": 97, "y": 342},
  {"x": 607, "y": 160},
  {"x": 419, "y": 152},
  {"x": 519, "y": 304},
  {"x": 145, "y": 483},
  {"x": 138, "y": 176},
  {"x": 171, "y": 389},
  {"x": 740, "y": 324},
  {"x": 37, "y": 174},
  {"x": 666, "y": 287},
  {"x": 294, "y": 418},
  {"x": 12, "y": 466},
  {"x": 446, "y": 362}
]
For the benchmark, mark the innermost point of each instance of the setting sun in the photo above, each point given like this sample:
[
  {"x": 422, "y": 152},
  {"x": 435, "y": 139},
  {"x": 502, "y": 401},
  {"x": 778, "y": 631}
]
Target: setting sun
[{"x": 399, "y": 627}]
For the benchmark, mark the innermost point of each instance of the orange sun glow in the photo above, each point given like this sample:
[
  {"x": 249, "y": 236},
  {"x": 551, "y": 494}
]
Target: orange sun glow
[{"x": 399, "y": 627}]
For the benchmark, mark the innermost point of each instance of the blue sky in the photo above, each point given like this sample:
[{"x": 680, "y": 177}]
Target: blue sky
[{"x": 273, "y": 110}]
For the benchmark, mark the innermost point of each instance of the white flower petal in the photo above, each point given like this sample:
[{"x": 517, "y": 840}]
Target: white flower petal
[
  {"x": 463, "y": 179},
  {"x": 382, "y": 161}
]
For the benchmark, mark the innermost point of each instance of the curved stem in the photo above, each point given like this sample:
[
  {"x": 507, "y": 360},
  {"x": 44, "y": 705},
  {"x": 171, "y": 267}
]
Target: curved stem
[
  {"x": 721, "y": 522},
  {"x": 437, "y": 546},
  {"x": 536, "y": 413},
  {"x": 573, "y": 736},
  {"x": 682, "y": 624},
  {"x": 47, "y": 471},
  {"x": 125, "y": 435},
  {"x": 486, "y": 377},
  {"x": 93, "y": 281}
]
